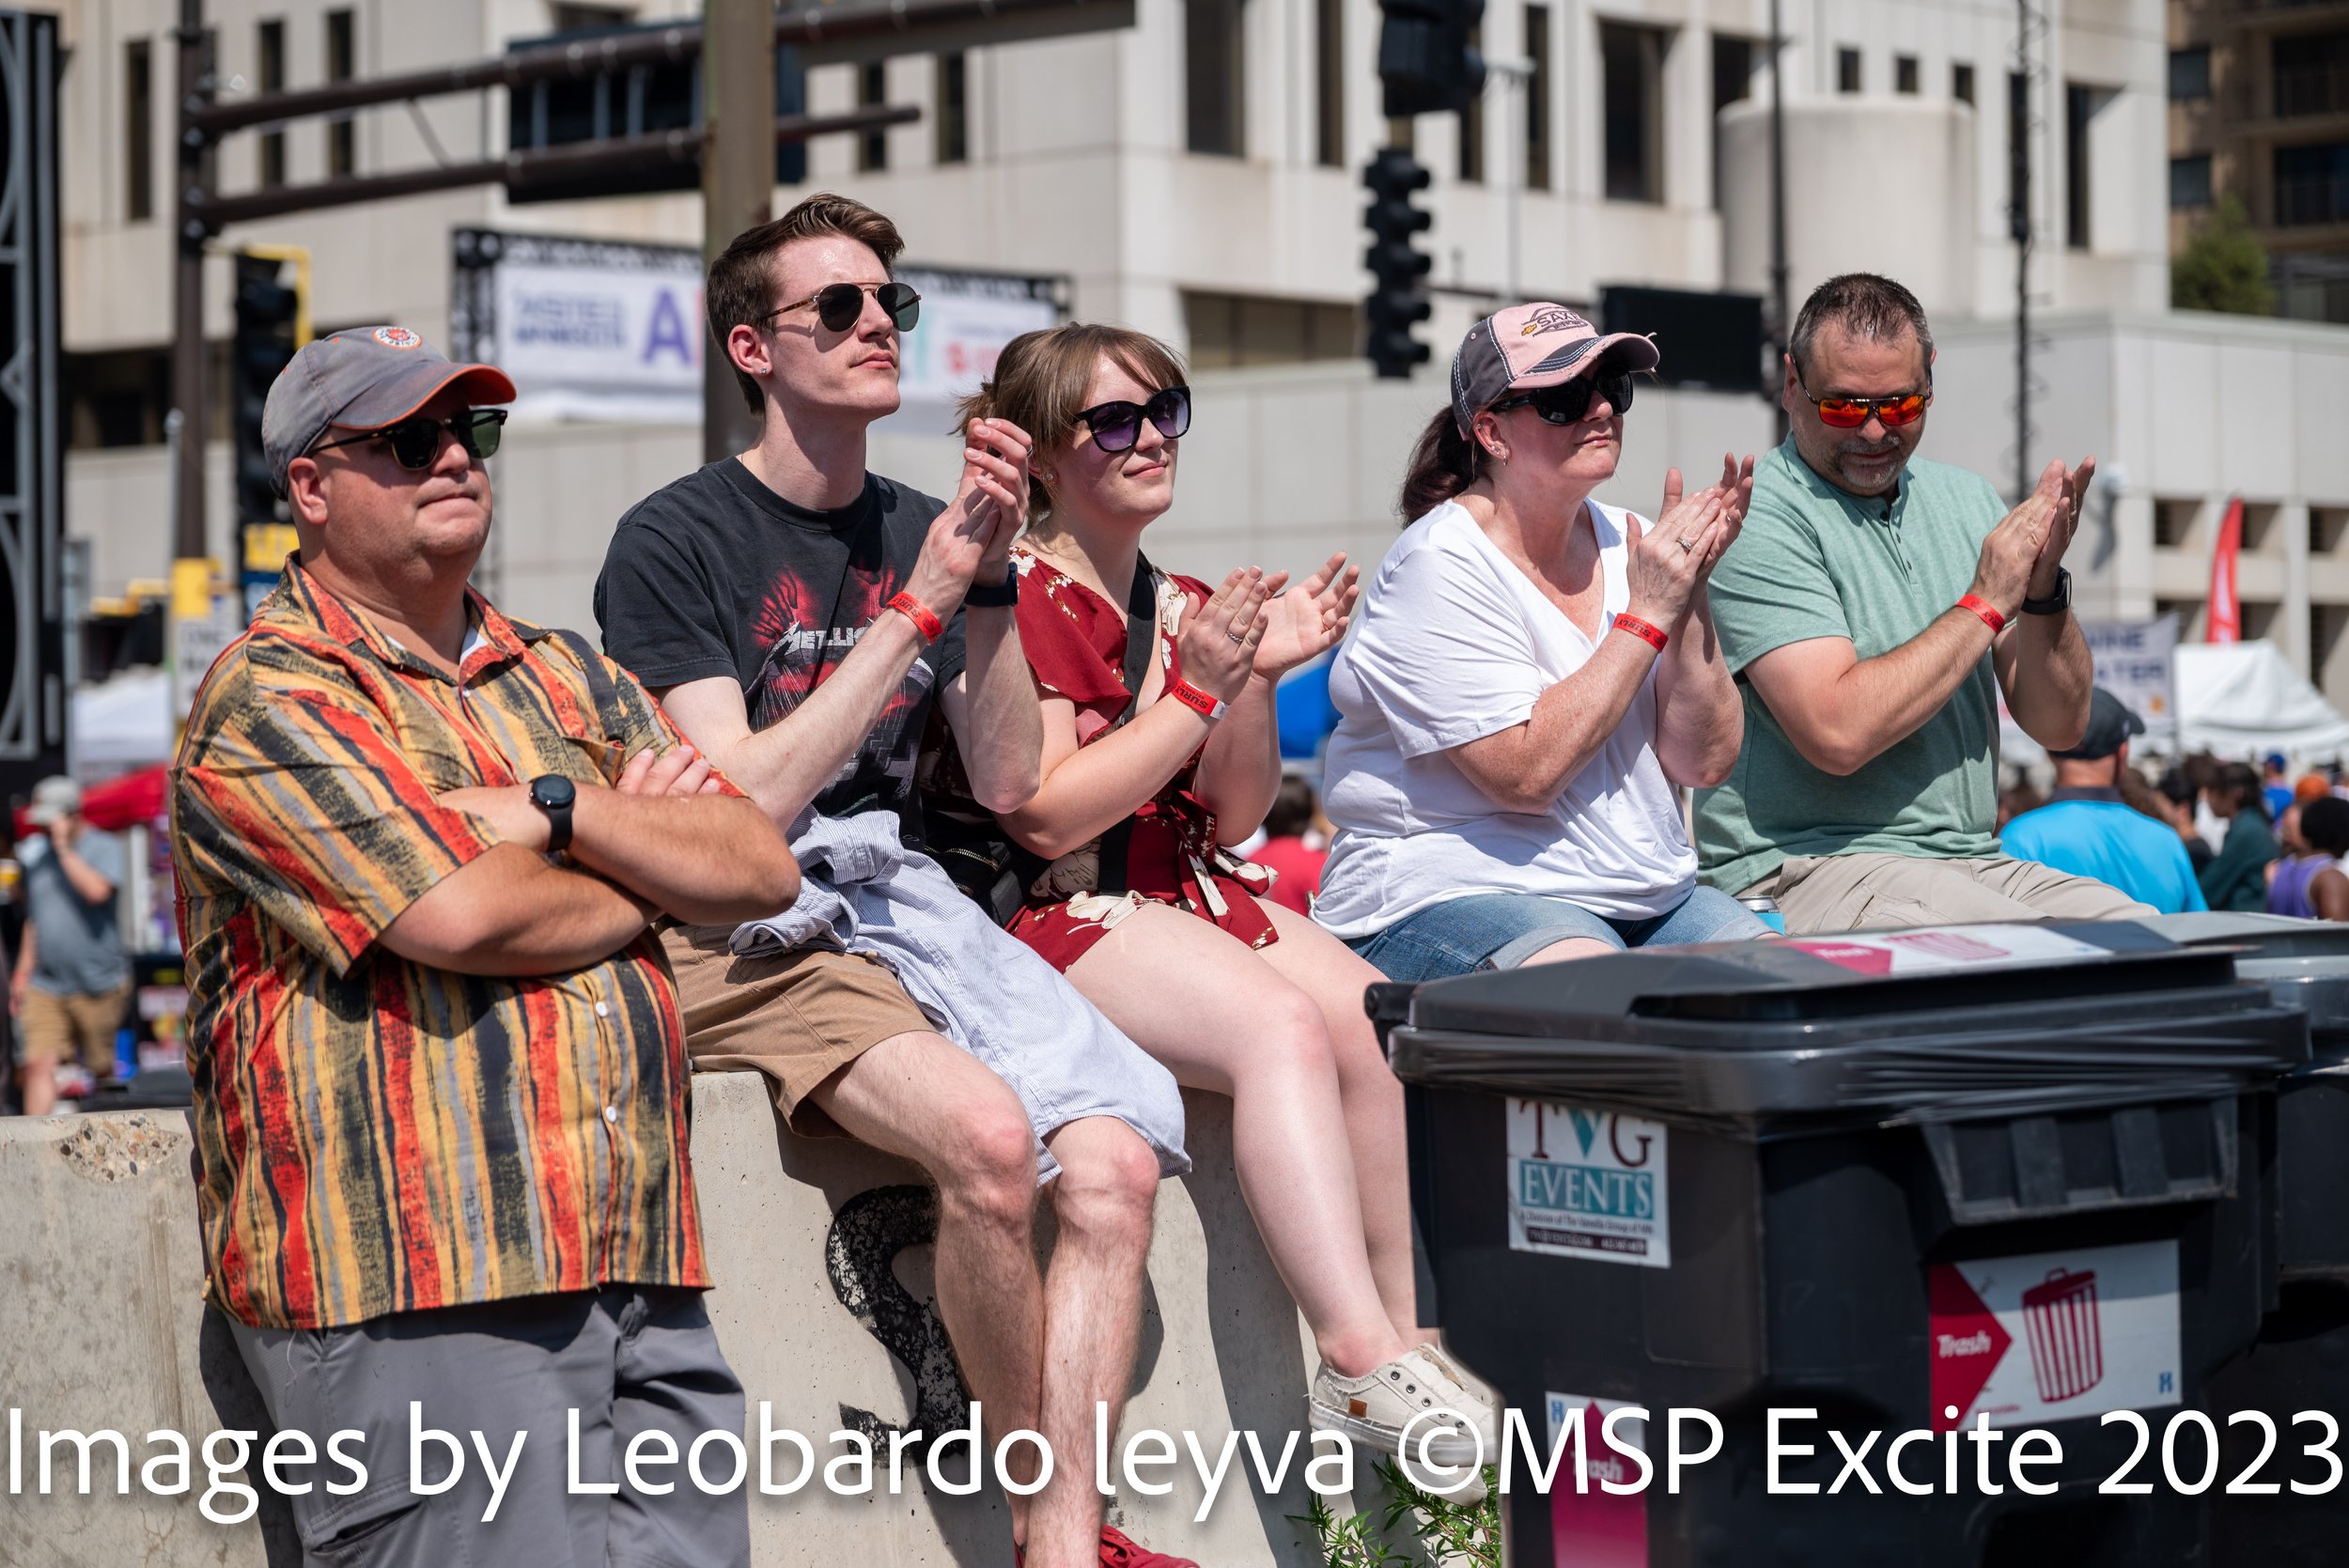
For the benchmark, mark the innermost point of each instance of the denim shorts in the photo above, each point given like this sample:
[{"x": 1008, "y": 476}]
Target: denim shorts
[{"x": 1500, "y": 930}]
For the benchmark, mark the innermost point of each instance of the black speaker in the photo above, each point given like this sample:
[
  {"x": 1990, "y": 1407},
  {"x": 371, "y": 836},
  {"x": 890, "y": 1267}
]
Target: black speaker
[{"x": 1702, "y": 340}]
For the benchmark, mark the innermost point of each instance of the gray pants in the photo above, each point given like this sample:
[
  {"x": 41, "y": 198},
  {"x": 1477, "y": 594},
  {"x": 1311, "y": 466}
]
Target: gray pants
[
  {"x": 629, "y": 1359},
  {"x": 1823, "y": 894}
]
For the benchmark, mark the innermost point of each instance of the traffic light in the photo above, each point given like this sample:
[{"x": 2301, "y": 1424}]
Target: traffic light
[
  {"x": 1425, "y": 61},
  {"x": 1397, "y": 300},
  {"x": 267, "y": 313}
]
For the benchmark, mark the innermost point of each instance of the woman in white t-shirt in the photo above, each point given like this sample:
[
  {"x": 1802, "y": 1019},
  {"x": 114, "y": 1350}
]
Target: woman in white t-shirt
[{"x": 1530, "y": 680}]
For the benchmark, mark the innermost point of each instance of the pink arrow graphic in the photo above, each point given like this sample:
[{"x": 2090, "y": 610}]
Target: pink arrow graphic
[
  {"x": 1965, "y": 1343},
  {"x": 1850, "y": 956}
]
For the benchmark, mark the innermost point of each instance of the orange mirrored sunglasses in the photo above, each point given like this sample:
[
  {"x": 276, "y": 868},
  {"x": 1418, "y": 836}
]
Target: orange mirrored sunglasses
[{"x": 1849, "y": 413}]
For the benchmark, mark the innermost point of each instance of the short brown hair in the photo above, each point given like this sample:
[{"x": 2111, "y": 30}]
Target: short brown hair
[
  {"x": 741, "y": 287},
  {"x": 1041, "y": 379},
  {"x": 1868, "y": 307}
]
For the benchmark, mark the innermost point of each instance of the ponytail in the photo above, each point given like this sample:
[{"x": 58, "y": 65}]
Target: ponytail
[{"x": 1443, "y": 463}]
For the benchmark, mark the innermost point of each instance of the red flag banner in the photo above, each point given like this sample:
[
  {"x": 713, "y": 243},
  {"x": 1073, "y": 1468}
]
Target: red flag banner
[{"x": 2226, "y": 609}]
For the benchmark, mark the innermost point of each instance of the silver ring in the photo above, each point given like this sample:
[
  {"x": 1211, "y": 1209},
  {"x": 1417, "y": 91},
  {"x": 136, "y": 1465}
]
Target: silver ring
[
  {"x": 1237, "y": 636},
  {"x": 1688, "y": 544}
]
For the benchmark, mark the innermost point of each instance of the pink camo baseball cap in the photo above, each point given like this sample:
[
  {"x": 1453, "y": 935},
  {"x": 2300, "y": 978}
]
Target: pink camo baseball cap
[{"x": 1537, "y": 345}]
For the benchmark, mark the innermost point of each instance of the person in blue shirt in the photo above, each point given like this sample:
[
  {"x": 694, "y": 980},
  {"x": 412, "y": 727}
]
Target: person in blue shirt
[
  {"x": 2276, "y": 785},
  {"x": 2086, "y": 830}
]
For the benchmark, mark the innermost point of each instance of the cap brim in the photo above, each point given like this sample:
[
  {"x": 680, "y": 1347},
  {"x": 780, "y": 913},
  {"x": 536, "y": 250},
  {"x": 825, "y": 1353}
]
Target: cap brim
[
  {"x": 1637, "y": 353},
  {"x": 395, "y": 400}
]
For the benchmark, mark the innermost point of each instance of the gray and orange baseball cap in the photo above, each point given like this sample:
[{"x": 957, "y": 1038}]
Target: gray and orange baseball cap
[
  {"x": 1531, "y": 346},
  {"x": 362, "y": 380}
]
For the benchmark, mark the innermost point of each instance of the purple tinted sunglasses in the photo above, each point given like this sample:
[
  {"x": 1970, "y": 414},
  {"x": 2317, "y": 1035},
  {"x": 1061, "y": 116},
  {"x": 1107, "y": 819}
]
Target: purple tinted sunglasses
[{"x": 1116, "y": 427}]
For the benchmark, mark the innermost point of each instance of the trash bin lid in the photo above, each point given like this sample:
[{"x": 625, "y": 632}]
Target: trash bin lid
[
  {"x": 1928, "y": 1024},
  {"x": 2304, "y": 963}
]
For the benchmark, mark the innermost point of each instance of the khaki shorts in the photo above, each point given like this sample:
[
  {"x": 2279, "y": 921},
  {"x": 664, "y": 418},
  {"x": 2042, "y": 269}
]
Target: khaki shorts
[
  {"x": 798, "y": 1016},
  {"x": 1820, "y": 894},
  {"x": 54, "y": 1027}
]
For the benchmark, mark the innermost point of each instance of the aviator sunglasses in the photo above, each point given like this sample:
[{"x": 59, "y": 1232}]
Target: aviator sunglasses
[
  {"x": 838, "y": 304},
  {"x": 1116, "y": 427},
  {"x": 416, "y": 441},
  {"x": 1568, "y": 401},
  {"x": 1849, "y": 413}
]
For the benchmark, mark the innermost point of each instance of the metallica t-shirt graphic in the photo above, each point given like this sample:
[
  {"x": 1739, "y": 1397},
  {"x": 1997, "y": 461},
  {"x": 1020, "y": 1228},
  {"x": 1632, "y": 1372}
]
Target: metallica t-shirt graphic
[{"x": 717, "y": 575}]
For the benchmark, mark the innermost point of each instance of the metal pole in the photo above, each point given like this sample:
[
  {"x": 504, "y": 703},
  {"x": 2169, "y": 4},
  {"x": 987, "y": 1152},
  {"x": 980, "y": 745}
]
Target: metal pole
[
  {"x": 738, "y": 182},
  {"x": 187, "y": 346},
  {"x": 1784, "y": 329},
  {"x": 2019, "y": 220}
]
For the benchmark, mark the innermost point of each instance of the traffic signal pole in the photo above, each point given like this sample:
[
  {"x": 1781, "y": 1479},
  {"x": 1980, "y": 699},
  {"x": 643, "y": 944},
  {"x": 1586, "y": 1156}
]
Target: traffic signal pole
[
  {"x": 188, "y": 423},
  {"x": 1426, "y": 64},
  {"x": 738, "y": 182}
]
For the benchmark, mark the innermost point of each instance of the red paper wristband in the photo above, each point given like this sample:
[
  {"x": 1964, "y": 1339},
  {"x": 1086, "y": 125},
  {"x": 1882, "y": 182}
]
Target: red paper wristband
[
  {"x": 924, "y": 619},
  {"x": 1988, "y": 612},
  {"x": 1197, "y": 701},
  {"x": 1652, "y": 636}
]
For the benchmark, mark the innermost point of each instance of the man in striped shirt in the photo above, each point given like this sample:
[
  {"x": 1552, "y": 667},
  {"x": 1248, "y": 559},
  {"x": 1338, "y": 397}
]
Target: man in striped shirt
[{"x": 440, "y": 1077}]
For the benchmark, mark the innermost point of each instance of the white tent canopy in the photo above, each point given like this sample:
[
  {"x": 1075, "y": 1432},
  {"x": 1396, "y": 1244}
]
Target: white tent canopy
[
  {"x": 123, "y": 726},
  {"x": 2237, "y": 700}
]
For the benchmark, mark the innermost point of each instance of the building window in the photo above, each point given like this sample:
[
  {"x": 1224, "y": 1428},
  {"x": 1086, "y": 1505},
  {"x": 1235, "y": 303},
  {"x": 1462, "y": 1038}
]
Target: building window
[
  {"x": 1215, "y": 77},
  {"x": 1330, "y": 82},
  {"x": 342, "y": 64},
  {"x": 138, "y": 131},
  {"x": 1961, "y": 82},
  {"x": 269, "y": 69},
  {"x": 872, "y": 91},
  {"x": 590, "y": 18},
  {"x": 1473, "y": 124},
  {"x": 1232, "y": 330},
  {"x": 2328, "y": 526},
  {"x": 2311, "y": 72},
  {"x": 1734, "y": 60},
  {"x": 2189, "y": 181},
  {"x": 2173, "y": 522},
  {"x": 952, "y": 109},
  {"x": 2312, "y": 184},
  {"x": 1631, "y": 63},
  {"x": 1847, "y": 71},
  {"x": 1537, "y": 99},
  {"x": 2189, "y": 74},
  {"x": 1905, "y": 74},
  {"x": 2017, "y": 143},
  {"x": 2079, "y": 108}
]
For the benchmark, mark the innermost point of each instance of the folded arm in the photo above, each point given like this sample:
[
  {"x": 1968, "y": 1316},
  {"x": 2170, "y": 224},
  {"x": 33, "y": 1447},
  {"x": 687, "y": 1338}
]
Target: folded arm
[
  {"x": 1842, "y": 711},
  {"x": 508, "y": 912}
]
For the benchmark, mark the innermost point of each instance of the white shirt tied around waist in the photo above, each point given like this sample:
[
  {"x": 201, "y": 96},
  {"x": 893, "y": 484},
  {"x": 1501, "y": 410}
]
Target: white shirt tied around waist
[{"x": 1453, "y": 642}]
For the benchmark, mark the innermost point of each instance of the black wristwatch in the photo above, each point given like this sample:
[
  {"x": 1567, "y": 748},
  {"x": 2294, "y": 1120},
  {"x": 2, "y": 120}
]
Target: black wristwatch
[
  {"x": 994, "y": 596},
  {"x": 2054, "y": 603},
  {"x": 552, "y": 793}
]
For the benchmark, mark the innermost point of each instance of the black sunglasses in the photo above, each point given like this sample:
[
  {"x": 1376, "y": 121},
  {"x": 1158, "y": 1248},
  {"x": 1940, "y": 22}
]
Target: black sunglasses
[
  {"x": 1116, "y": 427},
  {"x": 416, "y": 441},
  {"x": 1568, "y": 401},
  {"x": 838, "y": 304}
]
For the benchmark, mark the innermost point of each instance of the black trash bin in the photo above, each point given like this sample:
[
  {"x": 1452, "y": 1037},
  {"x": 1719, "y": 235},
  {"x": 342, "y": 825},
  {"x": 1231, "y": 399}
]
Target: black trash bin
[
  {"x": 2012, "y": 1170},
  {"x": 2300, "y": 1361}
]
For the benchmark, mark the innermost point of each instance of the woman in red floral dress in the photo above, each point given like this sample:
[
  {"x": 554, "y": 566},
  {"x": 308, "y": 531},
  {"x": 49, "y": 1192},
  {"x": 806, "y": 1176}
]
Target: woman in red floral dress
[{"x": 1233, "y": 992}]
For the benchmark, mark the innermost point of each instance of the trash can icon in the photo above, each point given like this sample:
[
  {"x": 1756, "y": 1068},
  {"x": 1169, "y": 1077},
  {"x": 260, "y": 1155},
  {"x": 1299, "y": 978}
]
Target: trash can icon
[{"x": 2065, "y": 1337}]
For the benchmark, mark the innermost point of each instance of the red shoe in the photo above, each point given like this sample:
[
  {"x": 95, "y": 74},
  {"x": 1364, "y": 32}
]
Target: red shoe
[{"x": 1119, "y": 1552}]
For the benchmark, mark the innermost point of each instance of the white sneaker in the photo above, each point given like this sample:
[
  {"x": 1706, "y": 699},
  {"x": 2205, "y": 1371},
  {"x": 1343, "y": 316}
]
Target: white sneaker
[{"x": 1376, "y": 1408}]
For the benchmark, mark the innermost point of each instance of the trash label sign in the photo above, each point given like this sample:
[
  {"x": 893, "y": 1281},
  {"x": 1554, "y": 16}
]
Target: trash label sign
[
  {"x": 1952, "y": 947},
  {"x": 1588, "y": 1184},
  {"x": 1590, "y": 1527},
  {"x": 2051, "y": 1336}
]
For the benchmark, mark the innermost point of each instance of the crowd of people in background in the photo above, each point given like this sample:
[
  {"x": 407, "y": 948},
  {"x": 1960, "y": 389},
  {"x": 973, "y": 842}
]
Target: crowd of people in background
[{"x": 966, "y": 826}]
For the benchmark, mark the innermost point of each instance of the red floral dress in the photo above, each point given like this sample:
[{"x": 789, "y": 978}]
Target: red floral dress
[{"x": 1075, "y": 641}]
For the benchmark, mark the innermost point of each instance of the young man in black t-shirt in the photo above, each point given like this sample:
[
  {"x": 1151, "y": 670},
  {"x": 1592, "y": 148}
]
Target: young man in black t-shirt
[{"x": 797, "y": 617}]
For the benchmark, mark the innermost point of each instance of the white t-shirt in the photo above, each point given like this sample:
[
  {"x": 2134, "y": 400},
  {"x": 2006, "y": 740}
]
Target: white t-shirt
[{"x": 1450, "y": 643}]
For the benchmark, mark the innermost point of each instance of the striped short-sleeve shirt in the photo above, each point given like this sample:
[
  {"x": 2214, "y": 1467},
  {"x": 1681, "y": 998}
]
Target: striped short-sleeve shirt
[{"x": 373, "y": 1135}]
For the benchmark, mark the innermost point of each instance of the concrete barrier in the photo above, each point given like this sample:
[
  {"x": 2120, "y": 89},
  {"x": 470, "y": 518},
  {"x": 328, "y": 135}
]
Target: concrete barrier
[{"x": 101, "y": 1275}]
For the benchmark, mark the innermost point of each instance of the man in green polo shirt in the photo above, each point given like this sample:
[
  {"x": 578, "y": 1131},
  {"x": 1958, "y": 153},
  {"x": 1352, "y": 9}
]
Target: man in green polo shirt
[{"x": 1874, "y": 610}]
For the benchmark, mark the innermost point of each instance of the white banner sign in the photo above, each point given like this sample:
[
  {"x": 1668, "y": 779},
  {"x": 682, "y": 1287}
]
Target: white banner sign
[
  {"x": 1588, "y": 1184},
  {"x": 602, "y": 332},
  {"x": 2137, "y": 661},
  {"x": 967, "y": 317}
]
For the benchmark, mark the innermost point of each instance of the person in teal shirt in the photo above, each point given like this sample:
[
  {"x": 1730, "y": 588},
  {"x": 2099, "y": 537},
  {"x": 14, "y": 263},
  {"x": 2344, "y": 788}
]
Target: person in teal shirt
[
  {"x": 2089, "y": 831},
  {"x": 1874, "y": 610},
  {"x": 2236, "y": 877}
]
